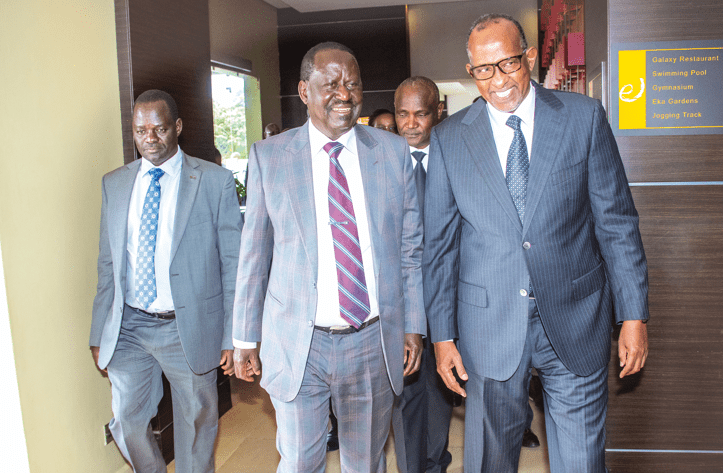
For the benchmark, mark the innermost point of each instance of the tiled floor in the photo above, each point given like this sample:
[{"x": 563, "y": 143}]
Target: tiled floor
[{"x": 246, "y": 439}]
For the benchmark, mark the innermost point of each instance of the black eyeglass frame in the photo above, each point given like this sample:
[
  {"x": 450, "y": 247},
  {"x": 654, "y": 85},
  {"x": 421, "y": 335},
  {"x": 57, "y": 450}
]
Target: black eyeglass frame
[{"x": 497, "y": 64}]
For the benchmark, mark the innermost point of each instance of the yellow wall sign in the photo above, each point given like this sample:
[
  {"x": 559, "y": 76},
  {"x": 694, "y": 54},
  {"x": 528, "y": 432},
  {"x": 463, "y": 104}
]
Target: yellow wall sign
[{"x": 667, "y": 88}]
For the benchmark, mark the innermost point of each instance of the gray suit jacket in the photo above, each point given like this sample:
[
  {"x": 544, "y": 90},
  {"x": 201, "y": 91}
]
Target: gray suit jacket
[
  {"x": 204, "y": 261},
  {"x": 579, "y": 245},
  {"x": 276, "y": 286}
]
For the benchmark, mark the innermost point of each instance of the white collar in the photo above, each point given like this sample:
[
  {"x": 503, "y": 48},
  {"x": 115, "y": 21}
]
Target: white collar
[
  {"x": 172, "y": 166},
  {"x": 526, "y": 110},
  {"x": 317, "y": 140},
  {"x": 424, "y": 150}
]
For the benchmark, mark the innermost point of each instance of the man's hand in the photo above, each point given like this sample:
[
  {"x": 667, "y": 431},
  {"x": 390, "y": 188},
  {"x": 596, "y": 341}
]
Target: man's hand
[
  {"x": 632, "y": 346},
  {"x": 95, "y": 351},
  {"x": 226, "y": 362},
  {"x": 246, "y": 363},
  {"x": 447, "y": 358},
  {"x": 412, "y": 353}
]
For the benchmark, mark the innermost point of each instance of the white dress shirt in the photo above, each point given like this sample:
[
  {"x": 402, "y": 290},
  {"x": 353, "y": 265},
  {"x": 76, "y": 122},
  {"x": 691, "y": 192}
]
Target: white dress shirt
[
  {"x": 327, "y": 284},
  {"x": 505, "y": 134},
  {"x": 166, "y": 217},
  {"x": 327, "y": 308},
  {"x": 425, "y": 159}
]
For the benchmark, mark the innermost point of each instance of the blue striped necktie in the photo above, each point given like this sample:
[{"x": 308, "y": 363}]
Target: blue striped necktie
[{"x": 353, "y": 296}]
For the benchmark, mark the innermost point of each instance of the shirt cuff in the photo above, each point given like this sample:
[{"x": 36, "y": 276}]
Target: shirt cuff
[{"x": 240, "y": 344}]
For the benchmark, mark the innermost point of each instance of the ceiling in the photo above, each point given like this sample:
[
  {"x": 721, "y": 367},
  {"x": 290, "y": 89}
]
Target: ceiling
[{"x": 305, "y": 6}]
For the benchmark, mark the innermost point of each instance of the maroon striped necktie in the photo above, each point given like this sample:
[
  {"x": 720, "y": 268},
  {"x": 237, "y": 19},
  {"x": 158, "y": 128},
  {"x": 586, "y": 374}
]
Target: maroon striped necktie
[{"x": 353, "y": 296}]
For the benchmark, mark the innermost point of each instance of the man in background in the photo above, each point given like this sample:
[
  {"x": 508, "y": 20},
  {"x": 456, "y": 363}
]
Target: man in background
[
  {"x": 272, "y": 129},
  {"x": 426, "y": 404},
  {"x": 169, "y": 237}
]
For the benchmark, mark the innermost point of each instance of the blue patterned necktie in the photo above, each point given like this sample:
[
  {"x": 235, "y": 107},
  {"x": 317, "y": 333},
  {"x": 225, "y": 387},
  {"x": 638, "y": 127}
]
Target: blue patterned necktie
[
  {"x": 353, "y": 297},
  {"x": 147, "y": 232},
  {"x": 420, "y": 179},
  {"x": 518, "y": 165}
]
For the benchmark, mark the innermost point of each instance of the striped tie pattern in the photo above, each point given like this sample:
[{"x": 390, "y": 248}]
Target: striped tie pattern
[{"x": 353, "y": 296}]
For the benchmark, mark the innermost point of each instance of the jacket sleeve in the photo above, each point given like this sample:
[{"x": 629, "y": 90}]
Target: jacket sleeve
[
  {"x": 440, "y": 266},
  {"x": 103, "y": 302}
]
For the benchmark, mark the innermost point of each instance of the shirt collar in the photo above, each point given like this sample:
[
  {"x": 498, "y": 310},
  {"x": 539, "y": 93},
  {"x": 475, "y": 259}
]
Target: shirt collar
[
  {"x": 424, "y": 150},
  {"x": 317, "y": 140},
  {"x": 526, "y": 111},
  {"x": 172, "y": 166}
]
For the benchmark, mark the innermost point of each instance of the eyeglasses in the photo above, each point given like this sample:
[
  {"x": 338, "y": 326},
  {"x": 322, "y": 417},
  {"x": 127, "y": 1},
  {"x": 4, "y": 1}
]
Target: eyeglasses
[{"x": 506, "y": 66}]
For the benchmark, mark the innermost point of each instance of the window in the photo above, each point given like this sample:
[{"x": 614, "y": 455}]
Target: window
[{"x": 236, "y": 116}]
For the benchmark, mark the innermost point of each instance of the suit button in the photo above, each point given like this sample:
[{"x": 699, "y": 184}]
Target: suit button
[
  {"x": 523, "y": 292},
  {"x": 310, "y": 323},
  {"x": 526, "y": 245}
]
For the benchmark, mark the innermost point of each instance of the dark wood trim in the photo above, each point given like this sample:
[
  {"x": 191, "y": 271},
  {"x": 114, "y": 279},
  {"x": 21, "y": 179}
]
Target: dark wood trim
[{"x": 125, "y": 76}]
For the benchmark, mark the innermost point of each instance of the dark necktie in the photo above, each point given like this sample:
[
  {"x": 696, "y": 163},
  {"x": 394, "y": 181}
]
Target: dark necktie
[
  {"x": 147, "y": 232},
  {"x": 353, "y": 296},
  {"x": 420, "y": 178},
  {"x": 517, "y": 167}
]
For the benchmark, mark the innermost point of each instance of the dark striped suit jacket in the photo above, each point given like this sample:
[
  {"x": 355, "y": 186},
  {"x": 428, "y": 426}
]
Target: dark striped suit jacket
[{"x": 580, "y": 245}]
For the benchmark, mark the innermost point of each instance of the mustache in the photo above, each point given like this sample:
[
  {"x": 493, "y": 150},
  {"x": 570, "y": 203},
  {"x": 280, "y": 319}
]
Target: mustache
[{"x": 340, "y": 102}]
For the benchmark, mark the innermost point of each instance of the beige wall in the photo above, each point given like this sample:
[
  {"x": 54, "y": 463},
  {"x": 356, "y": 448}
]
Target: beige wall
[
  {"x": 438, "y": 38},
  {"x": 438, "y": 33},
  {"x": 61, "y": 131},
  {"x": 248, "y": 29}
]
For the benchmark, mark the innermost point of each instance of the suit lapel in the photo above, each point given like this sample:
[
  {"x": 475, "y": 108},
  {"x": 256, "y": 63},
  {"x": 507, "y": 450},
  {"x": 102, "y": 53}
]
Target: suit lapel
[
  {"x": 548, "y": 133},
  {"x": 187, "y": 189},
  {"x": 300, "y": 190},
  {"x": 120, "y": 202},
  {"x": 375, "y": 188},
  {"x": 481, "y": 145}
]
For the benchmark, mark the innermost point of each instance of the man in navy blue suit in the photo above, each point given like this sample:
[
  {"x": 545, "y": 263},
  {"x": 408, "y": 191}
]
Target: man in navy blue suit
[{"x": 531, "y": 245}]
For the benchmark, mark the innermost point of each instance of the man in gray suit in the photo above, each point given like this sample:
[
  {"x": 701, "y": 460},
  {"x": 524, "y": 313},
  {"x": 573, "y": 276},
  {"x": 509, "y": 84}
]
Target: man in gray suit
[
  {"x": 169, "y": 238},
  {"x": 531, "y": 240},
  {"x": 331, "y": 283}
]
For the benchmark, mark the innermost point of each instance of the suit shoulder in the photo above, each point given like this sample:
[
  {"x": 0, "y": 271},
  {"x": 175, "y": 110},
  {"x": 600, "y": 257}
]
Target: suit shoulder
[
  {"x": 271, "y": 146},
  {"x": 574, "y": 99},
  {"x": 120, "y": 171},
  {"x": 452, "y": 123},
  {"x": 382, "y": 137}
]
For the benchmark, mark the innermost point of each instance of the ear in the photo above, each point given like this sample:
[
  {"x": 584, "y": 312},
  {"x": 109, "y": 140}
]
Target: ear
[
  {"x": 179, "y": 126},
  {"x": 440, "y": 110},
  {"x": 469, "y": 69},
  {"x": 303, "y": 88},
  {"x": 531, "y": 56}
]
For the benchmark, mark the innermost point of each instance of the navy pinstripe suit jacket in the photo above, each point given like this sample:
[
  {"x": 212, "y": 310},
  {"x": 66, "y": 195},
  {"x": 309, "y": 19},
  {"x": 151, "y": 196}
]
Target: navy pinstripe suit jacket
[{"x": 585, "y": 258}]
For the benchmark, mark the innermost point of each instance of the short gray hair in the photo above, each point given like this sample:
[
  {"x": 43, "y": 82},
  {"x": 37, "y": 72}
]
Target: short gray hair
[{"x": 489, "y": 18}]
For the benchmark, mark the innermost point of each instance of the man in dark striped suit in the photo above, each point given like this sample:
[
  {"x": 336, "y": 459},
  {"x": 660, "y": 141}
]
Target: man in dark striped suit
[{"x": 531, "y": 241}]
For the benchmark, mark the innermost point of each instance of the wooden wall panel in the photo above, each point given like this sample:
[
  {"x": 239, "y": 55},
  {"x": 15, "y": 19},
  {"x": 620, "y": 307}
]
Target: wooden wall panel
[
  {"x": 674, "y": 408},
  {"x": 621, "y": 462},
  {"x": 165, "y": 44},
  {"x": 676, "y": 402},
  {"x": 668, "y": 158}
]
